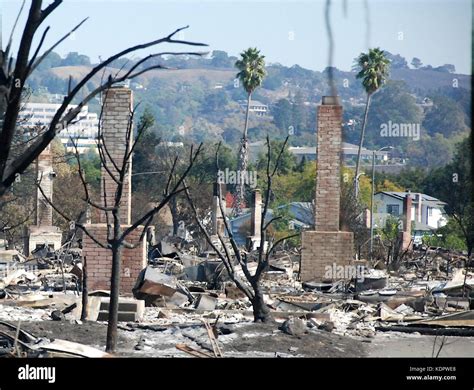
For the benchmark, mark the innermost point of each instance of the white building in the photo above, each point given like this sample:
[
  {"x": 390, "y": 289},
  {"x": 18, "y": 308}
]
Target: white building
[
  {"x": 256, "y": 107},
  {"x": 426, "y": 210},
  {"x": 84, "y": 128},
  {"x": 349, "y": 152}
]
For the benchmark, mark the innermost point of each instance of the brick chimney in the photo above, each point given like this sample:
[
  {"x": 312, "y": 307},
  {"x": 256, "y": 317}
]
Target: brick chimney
[
  {"x": 407, "y": 205},
  {"x": 44, "y": 169},
  {"x": 256, "y": 222},
  {"x": 419, "y": 207},
  {"x": 218, "y": 225},
  {"x": 329, "y": 141},
  {"x": 116, "y": 118},
  {"x": 406, "y": 233},
  {"x": 327, "y": 247}
]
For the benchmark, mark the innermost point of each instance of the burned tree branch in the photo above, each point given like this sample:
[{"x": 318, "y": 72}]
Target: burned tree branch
[
  {"x": 227, "y": 261},
  {"x": 63, "y": 115},
  {"x": 79, "y": 225},
  {"x": 166, "y": 199}
]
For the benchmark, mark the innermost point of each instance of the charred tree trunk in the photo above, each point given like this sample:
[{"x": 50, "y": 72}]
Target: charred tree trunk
[
  {"x": 114, "y": 300},
  {"x": 114, "y": 287},
  {"x": 174, "y": 215},
  {"x": 261, "y": 312},
  {"x": 85, "y": 292}
]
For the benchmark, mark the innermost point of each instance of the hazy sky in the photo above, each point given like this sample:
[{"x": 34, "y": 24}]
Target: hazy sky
[{"x": 286, "y": 31}]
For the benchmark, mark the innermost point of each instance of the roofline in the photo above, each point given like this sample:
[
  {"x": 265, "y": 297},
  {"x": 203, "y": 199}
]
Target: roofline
[{"x": 390, "y": 193}]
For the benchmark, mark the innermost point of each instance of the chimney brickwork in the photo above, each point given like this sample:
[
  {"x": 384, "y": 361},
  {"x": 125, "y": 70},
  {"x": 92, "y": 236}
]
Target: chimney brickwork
[
  {"x": 327, "y": 245},
  {"x": 44, "y": 169},
  {"x": 116, "y": 120},
  {"x": 256, "y": 222},
  {"x": 406, "y": 233},
  {"x": 218, "y": 226},
  {"x": 328, "y": 184},
  {"x": 43, "y": 232}
]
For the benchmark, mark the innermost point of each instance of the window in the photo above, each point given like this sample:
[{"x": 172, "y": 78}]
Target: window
[
  {"x": 393, "y": 209},
  {"x": 430, "y": 211}
]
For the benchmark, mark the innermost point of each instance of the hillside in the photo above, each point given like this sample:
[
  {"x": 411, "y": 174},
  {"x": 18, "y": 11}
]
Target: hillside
[
  {"x": 197, "y": 100},
  {"x": 173, "y": 76},
  {"x": 416, "y": 79}
]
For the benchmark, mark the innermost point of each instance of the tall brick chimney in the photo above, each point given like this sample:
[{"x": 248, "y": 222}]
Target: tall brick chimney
[
  {"x": 218, "y": 225},
  {"x": 327, "y": 248},
  {"x": 256, "y": 221},
  {"x": 328, "y": 184},
  {"x": 44, "y": 169},
  {"x": 116, "y": 119},
  {"x": 43, "y": 232},
  {"x": 406, "y": 233},
  {"x": 407, "y": 205},
  {"x": 419, "y": 207}
]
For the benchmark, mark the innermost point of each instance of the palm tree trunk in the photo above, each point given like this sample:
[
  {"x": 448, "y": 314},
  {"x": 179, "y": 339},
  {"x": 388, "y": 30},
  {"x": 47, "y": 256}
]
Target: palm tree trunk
[
  {"x": 243, "y": 161},
  {"x": 361, "y": 142},
  {"x": 249, "y": 99}
]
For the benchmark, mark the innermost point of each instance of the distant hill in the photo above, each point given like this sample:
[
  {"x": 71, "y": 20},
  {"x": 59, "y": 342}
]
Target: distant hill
[
  {"x": 416, "y": 79},
  {"x": 196, "y": 100},
  {"x": 429, "y": 79},
  {"x": 173, "y": 76}
]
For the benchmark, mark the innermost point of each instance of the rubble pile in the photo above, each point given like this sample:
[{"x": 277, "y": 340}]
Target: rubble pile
[{"x": 430, "y": 293}]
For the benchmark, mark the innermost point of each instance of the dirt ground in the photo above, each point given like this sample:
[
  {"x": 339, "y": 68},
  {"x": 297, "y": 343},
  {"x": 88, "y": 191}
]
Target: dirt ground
[
  {"x": 248, "y": 339},
  {"x": 241, "y": 340},
  {"x": 395, "y": 344}
]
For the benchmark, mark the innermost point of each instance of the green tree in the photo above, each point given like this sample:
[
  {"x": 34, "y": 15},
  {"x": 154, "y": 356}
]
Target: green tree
[
  {"x": 416, "y": 63},
  {"x": 449, "y": 236},
  {"x": 373, "y": 70},
  {"x": 74, "y": 59},
  {"x": 144, "y": 157},
  {"x": 214, "y": 102},
  {"x": 446, "y": 68},
  {"x": 282, "y": 114},
  {"x": 453, "y": 185},
  {"x": 231, "y": 135},
  {"x": 220, "y": 59},
  {"x": 52, "y": 60},
  {"x": 393, "y": 103},
  {"x": 445, "y": 117},
  {"x": 251, "y": 73},
  {"x": 287, "y": 160},
  {"x": 430, "y": 151},
  {"x": 410, "y": 178},
  {"x": 298, "y": 112},
  {"x": 396, "y": 60},
  {"x": 91, "y": 165},
  {"x": 294, "y": 186}
]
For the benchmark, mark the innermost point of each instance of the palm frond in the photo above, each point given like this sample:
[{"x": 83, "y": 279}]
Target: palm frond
[
  {"x": 373, "y": 69},
  {"x": 251, "y": 68}
]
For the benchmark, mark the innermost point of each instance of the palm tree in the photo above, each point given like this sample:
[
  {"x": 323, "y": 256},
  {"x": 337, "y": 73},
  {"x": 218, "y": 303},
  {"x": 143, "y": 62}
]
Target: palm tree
[
  {"x": 373, "y": 70},
  {"x": 251, "y": 67}
]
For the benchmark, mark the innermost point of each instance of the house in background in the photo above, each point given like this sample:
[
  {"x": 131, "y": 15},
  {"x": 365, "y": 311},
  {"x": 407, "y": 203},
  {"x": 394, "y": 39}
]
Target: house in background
[
  {"x": 427, "y": 212},
  {"x": 258, "y": 108},
  {"x": 301, "y": 217},
  {"x": 83, "y": 129},
  {"x": 349, "y": 153}
]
